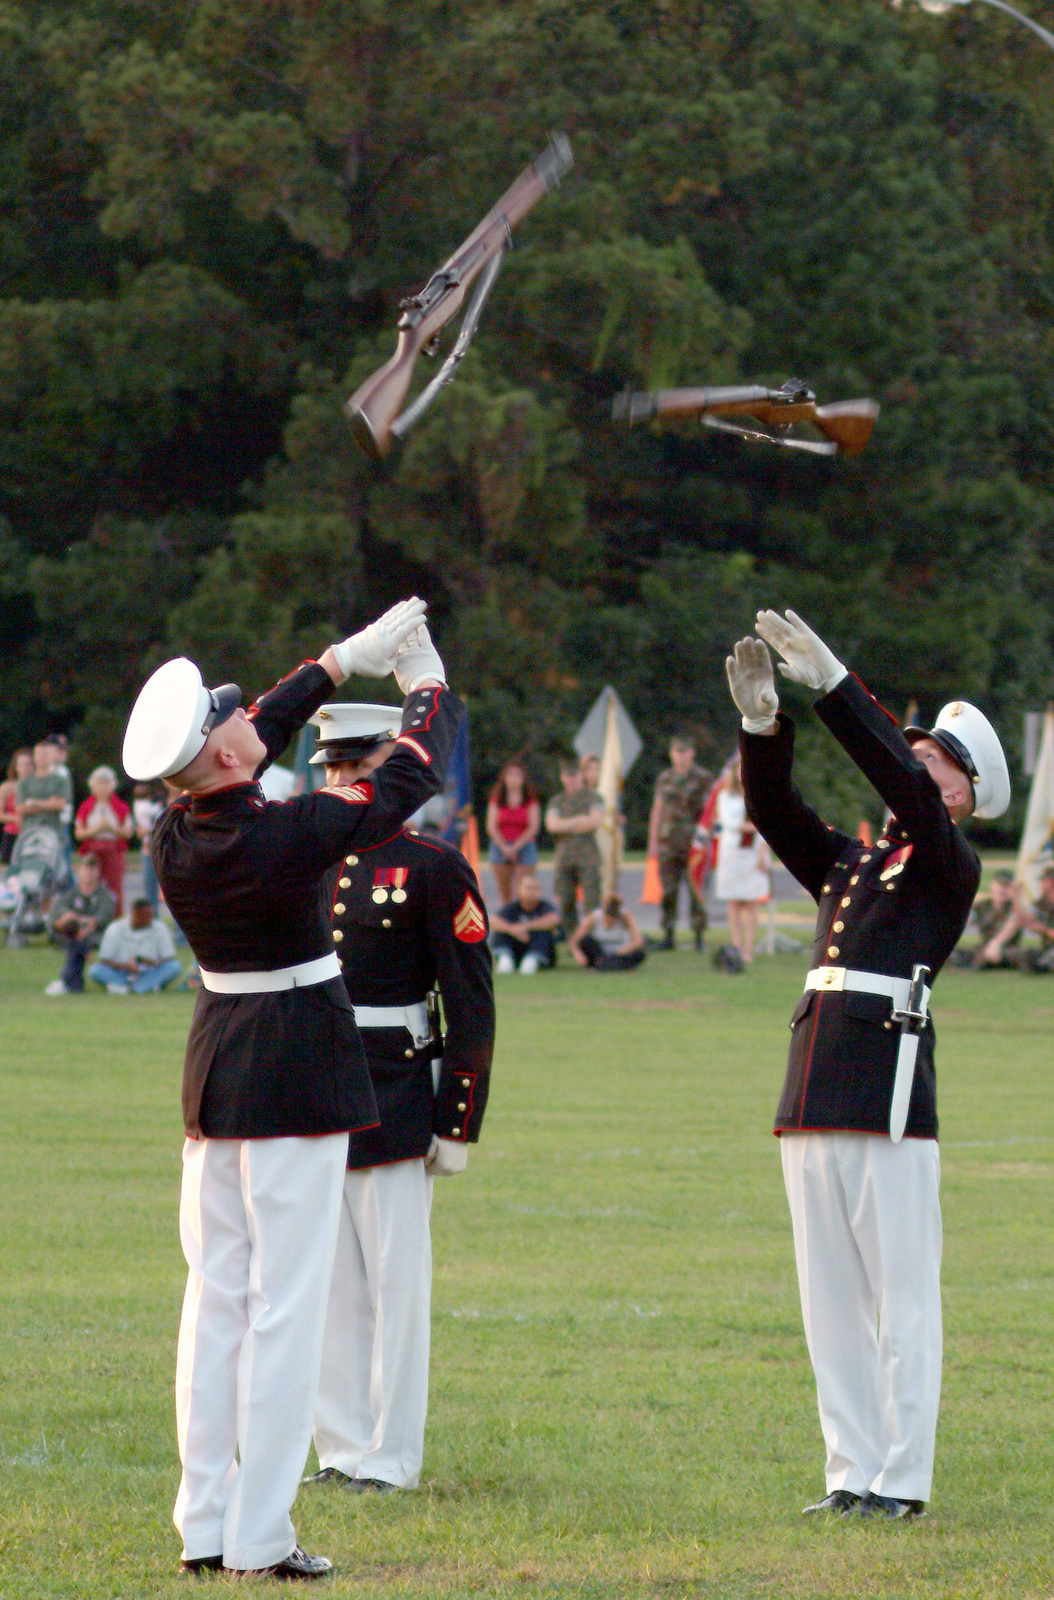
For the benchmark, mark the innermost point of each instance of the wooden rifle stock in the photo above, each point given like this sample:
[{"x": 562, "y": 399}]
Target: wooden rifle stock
[
  {"x": 847, "y": 424},
  {"x": 374, "y": 407}
]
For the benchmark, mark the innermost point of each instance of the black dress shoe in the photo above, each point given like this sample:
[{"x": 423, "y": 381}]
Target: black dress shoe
[
  {"x": 329, "y": 1475},
  {"x": 840, "y": 1503},
  {"x": 370, "y": 1486},
  {"x": 296, "y": 1566},
  {"x": 195, "y": 1566},
  {"x": 881, "y": 1505}
]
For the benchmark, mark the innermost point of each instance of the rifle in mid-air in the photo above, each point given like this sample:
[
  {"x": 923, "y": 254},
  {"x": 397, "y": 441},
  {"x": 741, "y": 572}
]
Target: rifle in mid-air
[
  {"x": 769, "y": 415},
  {"x": 373, "y": 409}
]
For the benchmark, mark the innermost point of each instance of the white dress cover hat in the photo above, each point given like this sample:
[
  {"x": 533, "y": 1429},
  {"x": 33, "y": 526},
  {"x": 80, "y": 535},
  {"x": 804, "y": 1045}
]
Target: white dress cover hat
[
  {"x": 968, "y": 737},
  {"x": 348, "y": 732},
  {"x": 172, "y": 717}
]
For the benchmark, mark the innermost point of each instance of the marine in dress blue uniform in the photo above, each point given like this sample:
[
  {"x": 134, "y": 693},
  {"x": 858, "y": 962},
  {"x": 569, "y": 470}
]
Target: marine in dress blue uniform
[
  {"x": 409, "y": 925},
  {"x": 863, "y": 1199},
  {"x": 275, "y": 1074}
]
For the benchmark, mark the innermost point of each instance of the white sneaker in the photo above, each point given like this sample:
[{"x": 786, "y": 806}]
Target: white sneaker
[
  {"x": 505, "y": 963},
  {"x": 56, "y": 986},
  {"x": 529, "y": 965},
  {"x": 117, "y": 988}
]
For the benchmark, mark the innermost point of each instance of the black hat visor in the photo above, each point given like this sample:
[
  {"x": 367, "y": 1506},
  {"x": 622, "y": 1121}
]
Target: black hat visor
[
  {"x": 949, "y": 744},
  {"x": 334, "y": 751},
  {"x": 225, "y": 701}
]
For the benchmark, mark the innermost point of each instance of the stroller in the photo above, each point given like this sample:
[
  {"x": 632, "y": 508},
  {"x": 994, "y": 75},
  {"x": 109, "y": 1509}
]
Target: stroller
[{"x": 38, "y": 869}]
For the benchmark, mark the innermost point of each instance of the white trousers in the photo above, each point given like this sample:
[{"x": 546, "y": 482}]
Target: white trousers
[
  {"x": 258, "y": 1223},
  {"x": 867, "y": 1237},
  {"x": 373, "y": 1393}
]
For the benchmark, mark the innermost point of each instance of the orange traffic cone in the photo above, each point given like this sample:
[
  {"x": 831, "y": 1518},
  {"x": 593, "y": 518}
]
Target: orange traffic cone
[{"x": 651, "y": 894}]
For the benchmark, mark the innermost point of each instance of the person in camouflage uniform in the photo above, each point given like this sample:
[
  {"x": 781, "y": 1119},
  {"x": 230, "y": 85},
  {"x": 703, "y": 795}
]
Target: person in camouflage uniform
[
  {"x": 680, "y": 794},
  {"x": 991, "y": 915},
  {"x": 1037, "y": 918},
  {"x": 573, "y": 817}
]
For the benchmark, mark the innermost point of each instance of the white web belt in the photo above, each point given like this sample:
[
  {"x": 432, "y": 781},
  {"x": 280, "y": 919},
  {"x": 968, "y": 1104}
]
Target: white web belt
[
  {"x": 302, "y": 976},
  {"x": 836, "y": 980},
  {"x": 413, "y": 1018}
]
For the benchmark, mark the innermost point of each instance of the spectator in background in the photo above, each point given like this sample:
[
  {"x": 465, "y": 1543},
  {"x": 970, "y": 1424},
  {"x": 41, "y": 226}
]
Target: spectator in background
[
  {"x": 524, "y": 931},
  {"x": 78, "y": 919},
  {"x": 990, "y": 915},
  {"x": 609, "y": 939},
  {"x": 20, "y": 766},
  {"x": 103, "y": 826},
  {"x": 591, "y": 766},
  {"x": 59, "y": 764},
  {"x": 148, "y": 802},
  {"x": 43, "y": 794},
  {"x": 514, "y": 817},
  {"x": 1038, "y": 918},
  {"x": 136, "y": 955},
  {"x": 742, "y": 862},
  {"x": 573, "y": 817},
  {"x": 680, "y": 793}
]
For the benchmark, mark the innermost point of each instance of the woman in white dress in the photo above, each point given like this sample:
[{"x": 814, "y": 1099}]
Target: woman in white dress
[{"x": 742, "y": 863}]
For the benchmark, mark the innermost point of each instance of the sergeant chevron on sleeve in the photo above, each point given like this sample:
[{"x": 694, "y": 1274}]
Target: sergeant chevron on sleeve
[
  {"x": 409, "y": 925},
  {"x": 275, "y": 1075},
  {"x": 861, "y": 1072}
]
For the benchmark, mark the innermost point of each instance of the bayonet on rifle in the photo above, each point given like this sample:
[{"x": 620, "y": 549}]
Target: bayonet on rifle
[
  {"x": 769, "y": 415},
  {"x": 373, "y": 408}
]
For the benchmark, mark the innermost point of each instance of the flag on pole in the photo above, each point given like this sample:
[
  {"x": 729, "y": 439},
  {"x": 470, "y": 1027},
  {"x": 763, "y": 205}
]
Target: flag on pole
[
  {"x": 1035, "y": 851},
  {"x": 609, "y": 786},
  {"x": 459, "y": 785}
]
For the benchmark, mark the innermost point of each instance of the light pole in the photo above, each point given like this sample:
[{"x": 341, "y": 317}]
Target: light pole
[{"x": 939, "y": 6}]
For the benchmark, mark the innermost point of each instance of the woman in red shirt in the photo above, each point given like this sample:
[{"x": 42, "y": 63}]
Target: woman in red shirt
[
  {"x": 102, "y": 827},
  {"x": 21, "y": 766},
  {"x": 514, "y": 816}
]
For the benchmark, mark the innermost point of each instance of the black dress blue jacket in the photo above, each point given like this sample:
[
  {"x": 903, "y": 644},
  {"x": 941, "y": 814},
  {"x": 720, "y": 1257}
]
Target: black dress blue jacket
[
  {"x": 243, "y": 877},
  {"x": 882, "y": 909}
]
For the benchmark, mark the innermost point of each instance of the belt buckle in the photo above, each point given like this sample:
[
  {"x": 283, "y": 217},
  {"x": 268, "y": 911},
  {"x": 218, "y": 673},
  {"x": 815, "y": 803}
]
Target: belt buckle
[{"x": 831, "y": 980}]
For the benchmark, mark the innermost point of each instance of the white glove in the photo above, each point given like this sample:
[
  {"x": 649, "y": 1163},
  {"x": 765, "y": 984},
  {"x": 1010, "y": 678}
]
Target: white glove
[
  {"x": 371, "y": 653},
  {"x": 446, "y": 1157},
  {"x": 416, "y": 659},
  {"x": 806, "y": 659},
  {"x": 749, "y": 671}
]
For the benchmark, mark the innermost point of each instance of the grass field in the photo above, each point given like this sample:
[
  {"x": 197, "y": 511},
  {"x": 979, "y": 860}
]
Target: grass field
[{"x": 621, "y": 1400}]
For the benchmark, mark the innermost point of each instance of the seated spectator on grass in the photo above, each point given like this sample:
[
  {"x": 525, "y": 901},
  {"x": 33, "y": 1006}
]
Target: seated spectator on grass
[
  {"x": 78, "y": 919},
  {"x": 137, "y": 954},
  {"x": 524, "y": 937},
  {"x": 609, "y": 939},
  {"x": 20, "y": 766},
  {"x": 103, "y": 825},
  {"x": 991, "y": 914},
  {"x": 1037, "y": 918}
]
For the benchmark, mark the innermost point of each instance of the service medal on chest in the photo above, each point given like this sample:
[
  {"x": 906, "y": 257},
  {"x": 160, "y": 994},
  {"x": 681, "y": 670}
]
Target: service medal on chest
[{"x": 388, "y": 882}]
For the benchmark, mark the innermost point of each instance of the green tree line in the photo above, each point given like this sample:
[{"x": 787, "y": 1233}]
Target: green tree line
[{"x": 209, "y": 213}]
